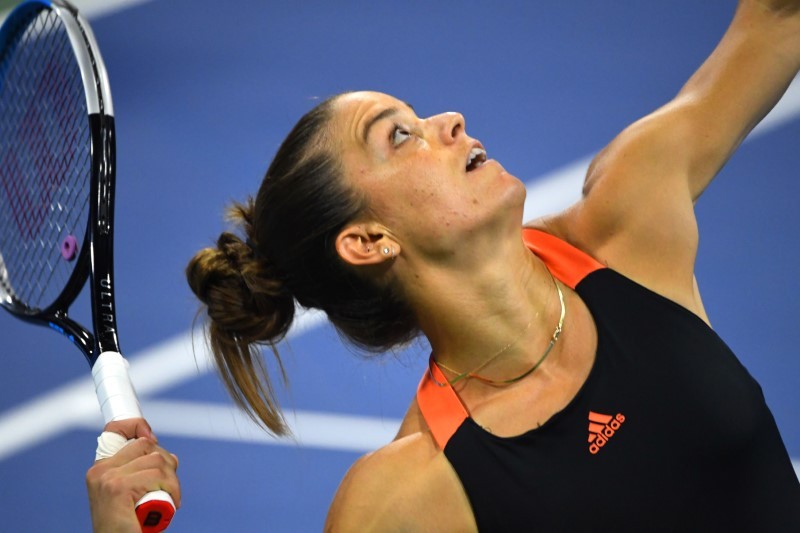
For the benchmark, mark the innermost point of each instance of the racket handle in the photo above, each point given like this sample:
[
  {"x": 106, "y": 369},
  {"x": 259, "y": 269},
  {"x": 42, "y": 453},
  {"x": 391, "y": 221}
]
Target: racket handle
[
  {"x": 118, "y": 401},
  {"x": 114, "y": 388}
]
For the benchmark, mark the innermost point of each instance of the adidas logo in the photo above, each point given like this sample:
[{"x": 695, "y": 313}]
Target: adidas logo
[{"x": 602, "y": 428}]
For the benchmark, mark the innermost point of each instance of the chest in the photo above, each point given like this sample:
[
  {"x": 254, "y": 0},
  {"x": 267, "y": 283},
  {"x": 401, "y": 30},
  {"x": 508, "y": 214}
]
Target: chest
[
  {"x": 512, "y": 410},
  {"x": 666, "y": 418}
]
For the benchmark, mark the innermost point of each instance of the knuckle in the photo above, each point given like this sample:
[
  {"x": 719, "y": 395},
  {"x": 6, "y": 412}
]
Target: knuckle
[
  {"x": 95, "y": 473},
  {"x": 173, "y": 460},
  {"x": 158, "y": 459},
  {"x": 92, "y": 477},
  {"x": 146, "y": 445}
]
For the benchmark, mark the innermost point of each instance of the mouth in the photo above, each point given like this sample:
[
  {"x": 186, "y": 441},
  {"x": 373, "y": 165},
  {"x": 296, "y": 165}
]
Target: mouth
[{"x": 476, "y": 158}]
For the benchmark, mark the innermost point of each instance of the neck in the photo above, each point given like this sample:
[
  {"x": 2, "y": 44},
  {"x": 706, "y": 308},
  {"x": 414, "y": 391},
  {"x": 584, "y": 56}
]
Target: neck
[{"x": 496, "y": 315}]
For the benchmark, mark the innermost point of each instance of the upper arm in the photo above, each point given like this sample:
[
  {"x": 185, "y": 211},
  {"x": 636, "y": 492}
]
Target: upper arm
[{"x": 694, "y": 134}]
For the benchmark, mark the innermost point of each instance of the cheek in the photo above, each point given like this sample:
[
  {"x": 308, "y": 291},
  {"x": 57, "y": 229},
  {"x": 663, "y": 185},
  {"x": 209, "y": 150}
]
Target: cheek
[
  {"x": 422, "y": 202},
  {"x": 431, "y": 198},
  {"x": 438, "y": 215}
]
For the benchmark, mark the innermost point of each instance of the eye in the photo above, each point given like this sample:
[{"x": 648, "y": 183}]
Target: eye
[{"x": 399, "y": 135}]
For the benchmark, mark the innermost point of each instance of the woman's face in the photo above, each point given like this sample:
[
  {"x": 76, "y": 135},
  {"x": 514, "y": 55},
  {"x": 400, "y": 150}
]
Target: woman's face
[{"x": 426, "y": 180}]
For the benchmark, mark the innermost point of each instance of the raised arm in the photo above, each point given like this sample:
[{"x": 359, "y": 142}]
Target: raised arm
[
  {"x": 736, "y": 86},
  {"x": 637, "y": 213}
]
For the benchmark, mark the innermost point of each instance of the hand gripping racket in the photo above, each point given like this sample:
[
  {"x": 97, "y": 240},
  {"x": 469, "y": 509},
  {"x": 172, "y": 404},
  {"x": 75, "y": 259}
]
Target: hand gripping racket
[{"x": 57, "y": 170}]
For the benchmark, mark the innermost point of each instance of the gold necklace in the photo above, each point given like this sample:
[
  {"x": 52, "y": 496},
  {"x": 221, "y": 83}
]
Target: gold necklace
[{"x": 472, "y": 374}]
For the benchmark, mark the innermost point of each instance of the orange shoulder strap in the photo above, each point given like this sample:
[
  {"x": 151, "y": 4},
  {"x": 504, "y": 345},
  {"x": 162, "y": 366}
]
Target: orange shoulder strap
[
  {"x": 440, "y": 406},
  {"x": 566, "y": 262}
]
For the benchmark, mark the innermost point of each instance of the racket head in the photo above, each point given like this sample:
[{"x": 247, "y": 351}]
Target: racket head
[{"x": 56, "y": 119}]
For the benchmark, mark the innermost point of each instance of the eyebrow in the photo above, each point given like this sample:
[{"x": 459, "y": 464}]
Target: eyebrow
[{"x": 386, "y": 113}]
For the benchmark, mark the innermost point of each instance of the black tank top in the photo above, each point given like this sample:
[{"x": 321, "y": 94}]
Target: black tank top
[{"x": 668, "y": 433}]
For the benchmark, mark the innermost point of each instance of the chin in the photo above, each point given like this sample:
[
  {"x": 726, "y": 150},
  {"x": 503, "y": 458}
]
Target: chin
[
  {"x": 514, "y": 194},
  {"x": 506, "y": 205}
]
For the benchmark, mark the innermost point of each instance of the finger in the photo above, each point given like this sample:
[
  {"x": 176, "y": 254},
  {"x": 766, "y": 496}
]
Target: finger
[
  {"x": 155, "y": 471},
  {"x": 141, "y": 454},
  {"x": 157, "y": 458},
  {"x": 175, "y": 458},
  {"x": 138, "y": 448},
  {"x": 131, "y": 428},
  {"x": 129, "y": 451},
  {"x": 133, "y": 485},
  {"x": 152, "y": 480}
]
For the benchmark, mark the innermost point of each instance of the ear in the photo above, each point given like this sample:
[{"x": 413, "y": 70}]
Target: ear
[{"x": 365, "y": 244}]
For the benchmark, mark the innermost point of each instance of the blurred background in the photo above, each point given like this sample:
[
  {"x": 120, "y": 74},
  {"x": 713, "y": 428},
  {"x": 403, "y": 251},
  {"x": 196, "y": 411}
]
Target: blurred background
[{"x": 204, "y": 92}]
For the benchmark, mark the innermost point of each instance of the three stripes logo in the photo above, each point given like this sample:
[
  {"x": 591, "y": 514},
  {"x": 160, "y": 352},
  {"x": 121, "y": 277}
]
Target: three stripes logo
[{"x": 602, "y": 428}]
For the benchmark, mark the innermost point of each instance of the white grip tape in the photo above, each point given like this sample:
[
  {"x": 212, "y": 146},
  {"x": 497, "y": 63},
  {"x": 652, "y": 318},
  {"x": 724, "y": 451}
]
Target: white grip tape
[
  {"x": 114, "y": 388},
  {"x": 109, "y": 443}
]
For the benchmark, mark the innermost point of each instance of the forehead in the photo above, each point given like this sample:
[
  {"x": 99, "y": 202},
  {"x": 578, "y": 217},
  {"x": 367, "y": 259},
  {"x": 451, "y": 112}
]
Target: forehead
[
  {"x": 353, "y": 111},
  {"x": 363, "y": 101}
]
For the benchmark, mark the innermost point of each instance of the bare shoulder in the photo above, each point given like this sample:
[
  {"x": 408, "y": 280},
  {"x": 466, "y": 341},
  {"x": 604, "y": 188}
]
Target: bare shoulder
[
  {"x": 413, "y": 421},
  {"x": 408, "y": 485},
  {"x": 637, "y": 211},
  {"x": 371, "y": 496},
  {"x": 636, "y": 218},
  {"x": 636, "y": 194}
]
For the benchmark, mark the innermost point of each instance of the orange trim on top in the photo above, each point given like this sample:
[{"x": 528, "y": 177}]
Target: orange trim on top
[
  {"x": 440, "y": 406},
  {"x": 567, "y": 263}
]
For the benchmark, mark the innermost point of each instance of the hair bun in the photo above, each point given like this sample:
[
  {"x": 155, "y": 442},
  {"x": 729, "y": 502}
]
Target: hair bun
[{"x": 244, "y": 295}]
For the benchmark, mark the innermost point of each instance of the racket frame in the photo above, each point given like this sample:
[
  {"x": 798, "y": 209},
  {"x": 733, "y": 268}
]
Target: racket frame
[{"x": 95, "y": 258}]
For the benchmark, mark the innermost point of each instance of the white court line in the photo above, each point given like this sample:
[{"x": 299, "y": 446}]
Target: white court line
[
  {"x": 153, "y": 370},
  {"x": 309, "y": 429},
  {"x": 170, "y": 363},
  {"x": 558, "y": 190},
  {"x": 785, "y": 111}
]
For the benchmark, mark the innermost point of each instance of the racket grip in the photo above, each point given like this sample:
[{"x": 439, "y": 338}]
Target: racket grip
[
  {"x": 114, "y": 388},
  {"x": 118, "y": 401}
]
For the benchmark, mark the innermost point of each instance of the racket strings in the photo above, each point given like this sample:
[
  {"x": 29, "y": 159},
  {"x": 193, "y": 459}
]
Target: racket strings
[{"x": 45, "y": 161}]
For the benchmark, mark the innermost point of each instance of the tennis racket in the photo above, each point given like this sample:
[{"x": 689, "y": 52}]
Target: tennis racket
[{"x": 57, "y": 173}]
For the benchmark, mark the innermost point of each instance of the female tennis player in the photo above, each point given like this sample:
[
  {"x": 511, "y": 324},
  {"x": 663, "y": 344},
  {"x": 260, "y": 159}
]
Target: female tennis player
[{"x": 574, "y": 382}]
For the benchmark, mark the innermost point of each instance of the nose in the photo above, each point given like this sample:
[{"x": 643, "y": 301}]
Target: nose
[{"x": 450, "y": 126}]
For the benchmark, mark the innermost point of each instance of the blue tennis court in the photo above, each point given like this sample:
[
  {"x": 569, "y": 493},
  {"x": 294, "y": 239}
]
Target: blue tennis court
[{"x": 205, "y": 91}]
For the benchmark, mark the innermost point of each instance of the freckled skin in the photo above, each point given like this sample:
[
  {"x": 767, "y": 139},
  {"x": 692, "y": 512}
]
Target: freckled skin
[{"x": 420, "y": 189}]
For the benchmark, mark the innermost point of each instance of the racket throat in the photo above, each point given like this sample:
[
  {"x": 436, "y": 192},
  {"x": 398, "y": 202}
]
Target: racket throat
[{"x": 101, "y": 215}]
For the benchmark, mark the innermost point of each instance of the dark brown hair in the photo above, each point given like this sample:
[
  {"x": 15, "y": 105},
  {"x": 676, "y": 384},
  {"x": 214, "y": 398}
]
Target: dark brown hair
[{"x": 249, "y": 286}]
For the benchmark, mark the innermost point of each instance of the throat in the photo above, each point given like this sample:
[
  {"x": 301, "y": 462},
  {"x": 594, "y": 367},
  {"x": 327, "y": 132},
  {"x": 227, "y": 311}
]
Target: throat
[{"x": 454, "y": 376}]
